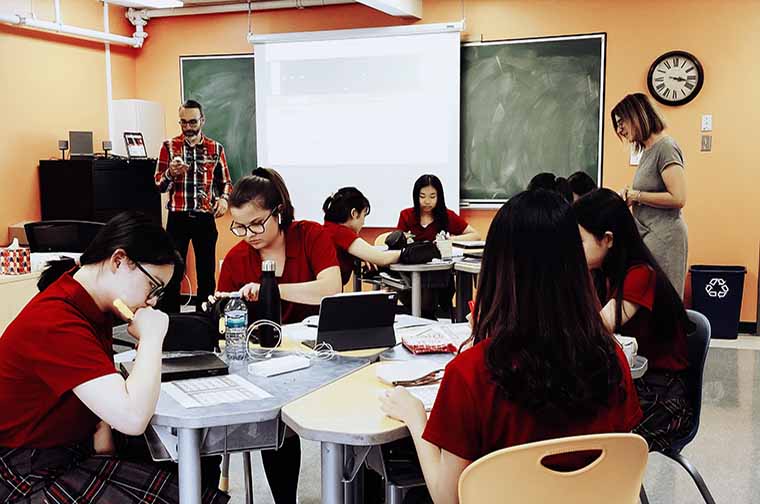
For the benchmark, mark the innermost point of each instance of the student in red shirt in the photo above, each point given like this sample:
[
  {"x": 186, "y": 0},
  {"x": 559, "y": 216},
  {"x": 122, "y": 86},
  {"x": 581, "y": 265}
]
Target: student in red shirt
[
  {"x": 345, "y": 212},
  {"x": 640, "y": 302},
  {"x": 306, "y": 270},
  {"x": 543, "y": 364},
  {"x": 427, "y": 217},
  {"x": 59, "y": 389}
]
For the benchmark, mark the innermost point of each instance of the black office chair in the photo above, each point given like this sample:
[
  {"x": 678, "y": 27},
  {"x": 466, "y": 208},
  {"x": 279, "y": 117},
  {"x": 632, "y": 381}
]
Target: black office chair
[
  {"x": 61, "y": 235},
  {"x": 698, "y": 343}
]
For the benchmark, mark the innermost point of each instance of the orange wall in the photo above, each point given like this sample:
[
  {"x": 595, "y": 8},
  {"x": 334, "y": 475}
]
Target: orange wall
[
  {"x": 722, "y": 212},
  {"x": 50, "y": 85}
]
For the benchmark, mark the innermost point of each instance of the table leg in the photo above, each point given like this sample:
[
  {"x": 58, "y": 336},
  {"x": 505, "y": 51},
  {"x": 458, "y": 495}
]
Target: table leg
[
  {"x": 416, "y": 293},
  {"x": 189, "y": 455},
  {"x": 464, "y": 295},
  {"x": 248, "y": 477},
  {"x": 354, "y": 489},
  {"x": 332, "y": 473}
]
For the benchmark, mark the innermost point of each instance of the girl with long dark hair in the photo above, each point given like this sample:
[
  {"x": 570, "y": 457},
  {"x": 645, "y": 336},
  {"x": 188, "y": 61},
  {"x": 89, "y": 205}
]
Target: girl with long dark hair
[
  {"x": 345, "y": 212},
  {"x": 59, "y": 390},
  {"x": 639, "y": 301},
  {"x": 543, "y": 364}
]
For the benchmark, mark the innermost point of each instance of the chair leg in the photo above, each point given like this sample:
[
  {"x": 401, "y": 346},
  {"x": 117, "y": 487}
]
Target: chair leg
[
  {"x": 224, "y": 478},
  {"x": 643, "y": 496},
  {"x": 706, "y": 495},
  {"x": 393, "y": 494},
  {"x": 248, "y": 477}
]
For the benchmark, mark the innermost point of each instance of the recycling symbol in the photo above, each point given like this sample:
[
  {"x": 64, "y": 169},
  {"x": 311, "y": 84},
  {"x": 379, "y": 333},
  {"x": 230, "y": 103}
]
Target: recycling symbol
[{"x": 716, "y": 287}]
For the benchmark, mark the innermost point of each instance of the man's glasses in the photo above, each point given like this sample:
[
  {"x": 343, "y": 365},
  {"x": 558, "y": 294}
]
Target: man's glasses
[
  {"x": 157, "y": 287},
  {"x": 240, "y": 230},
  {"x": 191, "y": 122}
]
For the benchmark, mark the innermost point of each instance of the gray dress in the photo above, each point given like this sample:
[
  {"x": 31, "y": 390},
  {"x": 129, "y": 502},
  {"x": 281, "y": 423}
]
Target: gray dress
[{"x": 663, "y": 229}]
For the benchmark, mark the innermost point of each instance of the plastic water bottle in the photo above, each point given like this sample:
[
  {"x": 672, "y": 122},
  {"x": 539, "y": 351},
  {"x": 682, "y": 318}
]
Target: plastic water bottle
[
  {"x": 236, "y": 325},
  {"x": 269, "y": 307}
]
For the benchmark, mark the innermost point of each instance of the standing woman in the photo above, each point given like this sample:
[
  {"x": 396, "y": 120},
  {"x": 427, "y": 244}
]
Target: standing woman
[
  {"x": 59, "y": 389},
  {"x": 658, "y": 191},
  {"x": 424, "y": 221},
  {"x": 345, "y": 212},
  {"x": 306, "y": 271}
]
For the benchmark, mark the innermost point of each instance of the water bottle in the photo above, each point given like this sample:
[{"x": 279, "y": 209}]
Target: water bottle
[
  {"x": 269, "y": 304},
  {"x": 236, "y": 325}
]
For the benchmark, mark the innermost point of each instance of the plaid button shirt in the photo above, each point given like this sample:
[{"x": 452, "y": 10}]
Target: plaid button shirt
[{"x": 207, "y": 179}]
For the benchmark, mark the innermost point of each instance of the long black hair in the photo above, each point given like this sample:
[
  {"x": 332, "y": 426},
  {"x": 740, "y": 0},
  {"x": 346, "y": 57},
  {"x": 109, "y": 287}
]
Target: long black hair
[
  {"x": 440, "y": 216},
  {"x": 549, "y": 349},
  {"x": 551, "y": 182},
  {"x": 140, "y": 236},
  {"x": 338, "y": 206},
  {"x": 603, "y": 211},
  {"x": 265, "y": 187}
]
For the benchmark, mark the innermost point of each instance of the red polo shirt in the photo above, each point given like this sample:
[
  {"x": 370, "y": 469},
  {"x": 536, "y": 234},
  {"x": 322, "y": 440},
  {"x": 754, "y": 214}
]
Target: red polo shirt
[
  {"x": 408, "y": 221},
  {"x": 663, "y": 352},
  {"x": 342, "y": 237},
  {"x": 471, "y": 417},
  {"x": 58, "y": 341},
  {"x": 308, "y": 249}
]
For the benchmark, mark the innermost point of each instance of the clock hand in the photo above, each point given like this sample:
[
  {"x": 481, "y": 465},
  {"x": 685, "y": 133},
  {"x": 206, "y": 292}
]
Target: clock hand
[{"x": 678, "y": 79}]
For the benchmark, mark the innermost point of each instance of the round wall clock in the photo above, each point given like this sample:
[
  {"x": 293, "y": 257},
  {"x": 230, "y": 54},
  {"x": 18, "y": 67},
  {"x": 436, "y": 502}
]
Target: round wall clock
[{"x": 675, "y": 78}]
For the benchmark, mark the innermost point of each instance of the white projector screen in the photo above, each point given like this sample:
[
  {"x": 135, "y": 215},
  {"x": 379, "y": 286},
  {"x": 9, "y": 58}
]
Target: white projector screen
[{"x": 374, "y": 112}]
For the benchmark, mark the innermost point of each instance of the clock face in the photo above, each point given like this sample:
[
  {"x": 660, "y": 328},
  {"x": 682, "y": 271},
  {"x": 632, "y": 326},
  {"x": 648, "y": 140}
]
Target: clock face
[{"x": 675, "y": 78}]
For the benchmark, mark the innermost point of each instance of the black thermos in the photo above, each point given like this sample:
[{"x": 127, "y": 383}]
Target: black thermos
[{"x": 269, "y": 304}]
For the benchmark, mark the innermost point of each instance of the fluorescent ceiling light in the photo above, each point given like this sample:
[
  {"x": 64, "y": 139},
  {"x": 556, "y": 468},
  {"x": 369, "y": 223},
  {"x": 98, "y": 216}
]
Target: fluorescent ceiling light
[{"x": 151, "y": 4}]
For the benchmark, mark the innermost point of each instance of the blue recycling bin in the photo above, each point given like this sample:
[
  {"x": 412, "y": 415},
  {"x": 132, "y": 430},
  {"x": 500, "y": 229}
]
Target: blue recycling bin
[{"x": 717, "y": 293}]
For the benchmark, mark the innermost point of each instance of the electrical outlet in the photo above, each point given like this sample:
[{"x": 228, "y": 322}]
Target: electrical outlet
[
  {"x": 706, "y": 143},
  {"x": 707, "y": 122}
]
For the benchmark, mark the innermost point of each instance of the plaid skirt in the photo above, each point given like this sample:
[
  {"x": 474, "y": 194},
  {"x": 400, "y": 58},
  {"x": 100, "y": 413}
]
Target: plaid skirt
[
  {"x": 667, "y": 411},
  {"x": 73, "y": 474}
]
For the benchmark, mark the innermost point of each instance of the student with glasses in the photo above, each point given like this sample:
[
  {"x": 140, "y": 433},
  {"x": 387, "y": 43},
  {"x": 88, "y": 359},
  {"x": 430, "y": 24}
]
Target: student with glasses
[
  {"x": 307, "y": 270},
  {"x": 60, "y": 393},
  {"x": 193, "y": 169}
]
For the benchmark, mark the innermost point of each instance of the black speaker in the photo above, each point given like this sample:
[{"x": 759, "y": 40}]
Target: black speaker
[{"x": 63, "y": 146}]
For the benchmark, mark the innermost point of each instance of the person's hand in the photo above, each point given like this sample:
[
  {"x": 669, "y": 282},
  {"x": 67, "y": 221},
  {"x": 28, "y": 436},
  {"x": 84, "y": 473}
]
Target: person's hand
[
  {"x": 469, "y": 321},
  {"x": 398, "y": 403},
  {"x": 177, "y": 167},
  {"x": 149, "y": 325},
  {"x": 626, "y": 195},
  {"x": 370, "y": 267},
  {"x": 220, "y": 207},
  {"x": 102, "y": 440},
  {"x": 250, "y": 292}
]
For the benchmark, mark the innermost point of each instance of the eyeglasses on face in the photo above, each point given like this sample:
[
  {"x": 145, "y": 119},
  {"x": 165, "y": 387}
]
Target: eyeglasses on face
[
  {"x": 240, "y": 230},
  {"x": 157, "y": 287}
]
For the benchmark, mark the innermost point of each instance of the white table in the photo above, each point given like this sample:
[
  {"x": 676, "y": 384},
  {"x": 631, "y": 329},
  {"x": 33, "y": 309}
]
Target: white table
[{"x": 416, "y": 271}]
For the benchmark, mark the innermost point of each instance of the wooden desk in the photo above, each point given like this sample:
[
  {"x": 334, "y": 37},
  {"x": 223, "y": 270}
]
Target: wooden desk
[{"x": 15, "y": 293}]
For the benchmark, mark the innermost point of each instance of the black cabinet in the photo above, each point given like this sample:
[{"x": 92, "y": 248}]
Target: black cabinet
[{"x": 97, "y": 189}]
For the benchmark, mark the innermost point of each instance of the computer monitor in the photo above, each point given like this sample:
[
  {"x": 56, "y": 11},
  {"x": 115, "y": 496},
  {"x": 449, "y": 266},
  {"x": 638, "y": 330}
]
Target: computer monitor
[
  {"x": 61, "y": 235},
  {"x": 80, "y": 145}
]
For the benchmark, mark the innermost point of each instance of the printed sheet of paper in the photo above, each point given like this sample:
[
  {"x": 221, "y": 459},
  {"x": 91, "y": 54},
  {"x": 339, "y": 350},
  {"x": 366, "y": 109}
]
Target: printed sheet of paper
[{"x": 213, "y": 390}]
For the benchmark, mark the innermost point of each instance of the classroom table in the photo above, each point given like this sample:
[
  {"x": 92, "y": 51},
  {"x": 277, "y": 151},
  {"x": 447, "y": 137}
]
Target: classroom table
[
  {"x": 416, "y": 271},
  {"x": 465, "y": 272}
]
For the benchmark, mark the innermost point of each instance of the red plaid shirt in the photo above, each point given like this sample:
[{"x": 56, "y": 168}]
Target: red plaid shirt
[{"x": 207, "y": 179}]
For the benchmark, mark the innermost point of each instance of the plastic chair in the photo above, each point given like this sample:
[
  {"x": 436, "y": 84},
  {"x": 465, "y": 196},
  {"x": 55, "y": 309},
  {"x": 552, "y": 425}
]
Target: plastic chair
[
  {"x": 698, "y": 344},
  {"x": 516, "y": 474}
]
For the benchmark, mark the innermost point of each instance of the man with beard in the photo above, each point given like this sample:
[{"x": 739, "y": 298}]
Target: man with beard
[{"x": 193, "y": 168}]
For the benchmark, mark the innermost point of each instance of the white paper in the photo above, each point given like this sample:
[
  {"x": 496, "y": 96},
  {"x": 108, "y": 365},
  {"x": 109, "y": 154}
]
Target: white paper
[{"x": 213, "y": 390}]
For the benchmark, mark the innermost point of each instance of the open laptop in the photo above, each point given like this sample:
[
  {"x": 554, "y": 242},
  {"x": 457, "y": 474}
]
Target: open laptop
[{"x": 354, "y": 321}]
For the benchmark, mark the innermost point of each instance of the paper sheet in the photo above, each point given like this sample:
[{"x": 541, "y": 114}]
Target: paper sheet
[{"x": 213, "y": 390}]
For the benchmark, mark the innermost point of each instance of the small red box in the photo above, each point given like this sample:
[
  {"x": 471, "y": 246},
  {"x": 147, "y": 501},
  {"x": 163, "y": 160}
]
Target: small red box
[{"x": 15, "y": 261}]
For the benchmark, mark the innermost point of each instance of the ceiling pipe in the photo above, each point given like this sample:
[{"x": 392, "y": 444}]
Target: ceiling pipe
[
  {"x": 242, "y": 7},
  {"x": 58, "y": 27}
]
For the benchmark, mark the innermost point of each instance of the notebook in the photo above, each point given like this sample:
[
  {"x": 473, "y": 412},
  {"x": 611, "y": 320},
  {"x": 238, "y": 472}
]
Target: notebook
[{"x": 184, "y": 367}]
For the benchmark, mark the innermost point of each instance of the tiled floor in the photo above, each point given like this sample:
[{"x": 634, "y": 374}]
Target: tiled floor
[{"x": 726, "y": 451}]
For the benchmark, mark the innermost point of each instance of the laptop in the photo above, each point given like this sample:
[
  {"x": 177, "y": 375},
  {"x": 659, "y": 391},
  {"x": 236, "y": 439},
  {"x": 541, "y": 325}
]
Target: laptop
[
  {"x": 354, "y": 321},
  {"x": 185, "y": 367},
  {"x": 80, "y": 145}
]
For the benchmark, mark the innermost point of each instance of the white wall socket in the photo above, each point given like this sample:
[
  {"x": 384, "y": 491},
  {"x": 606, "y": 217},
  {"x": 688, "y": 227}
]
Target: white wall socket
[{"x": 707, "y": 122}]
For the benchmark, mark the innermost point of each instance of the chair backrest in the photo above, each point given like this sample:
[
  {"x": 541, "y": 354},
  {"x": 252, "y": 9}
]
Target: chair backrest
[
  {"x": 517, "y": 475},
  {"x": 61, "y": 235},
  {"x": 697, "y": 345}
]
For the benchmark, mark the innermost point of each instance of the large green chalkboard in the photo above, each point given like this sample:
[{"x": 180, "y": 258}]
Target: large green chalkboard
[
  {"x": 529, "y": 106},
  {"x": 224, "y": 85}
]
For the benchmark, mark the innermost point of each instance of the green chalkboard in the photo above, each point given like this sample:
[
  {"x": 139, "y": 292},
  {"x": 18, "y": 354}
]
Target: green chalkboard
[
  {"x": 224, "y": 85},
  {"x": 529, "y": 106}
]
